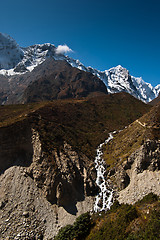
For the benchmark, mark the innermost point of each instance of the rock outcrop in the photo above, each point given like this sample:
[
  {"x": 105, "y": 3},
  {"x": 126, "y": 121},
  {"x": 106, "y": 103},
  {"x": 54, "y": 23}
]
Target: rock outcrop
[
  {"x": 66, "y": 181},
  {"x": 16, "y": 147},
  {"x": 26, "y": 213},
  {"x": 139, "y": 174}
]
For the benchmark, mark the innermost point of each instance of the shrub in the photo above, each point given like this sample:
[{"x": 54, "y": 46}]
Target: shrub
[
  {"x": 115, "y": 206},
  {"x": 65, "y": 233},
  {"x": 82, "y": 226},
  {"x": 150, "y": 198},
  {"x": 77, "y": 231}
]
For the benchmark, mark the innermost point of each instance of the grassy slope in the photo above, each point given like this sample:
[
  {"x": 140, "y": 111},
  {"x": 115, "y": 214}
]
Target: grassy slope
[
  {"x": 10, "y": 114},
  {"x": 130, "y": 139},
  {"x": 140, "y": 221},
  {"x": 84, "y": 123}
]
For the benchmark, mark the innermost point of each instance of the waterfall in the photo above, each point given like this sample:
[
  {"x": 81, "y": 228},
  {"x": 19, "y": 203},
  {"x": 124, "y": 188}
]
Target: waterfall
[{"x": 105, "y": 196}]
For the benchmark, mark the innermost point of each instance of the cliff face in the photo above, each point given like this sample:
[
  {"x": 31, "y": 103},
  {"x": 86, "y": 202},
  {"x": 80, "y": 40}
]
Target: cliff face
[
  {"x": 16, "y": 146},
  {"x": 36, "y": 197},
  {"x": 66, "y": 181},
  {"x": 140, "y": 174}
]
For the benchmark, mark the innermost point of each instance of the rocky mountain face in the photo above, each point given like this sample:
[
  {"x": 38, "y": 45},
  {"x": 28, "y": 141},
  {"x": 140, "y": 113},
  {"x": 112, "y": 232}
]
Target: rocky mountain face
[
  {"x": 140, "y": 175},
  {"x": 47, "y": 167},
  {"x": 53, "y": 79},
  {"x": 18, "y": 65},
  {"x": 135, "y": 167},
  {"x": 10, "y": 53},
  {"x": 39, "y": 196},
  {"x": 118, "y": 79},
  {"x": 61, "y": 82}
]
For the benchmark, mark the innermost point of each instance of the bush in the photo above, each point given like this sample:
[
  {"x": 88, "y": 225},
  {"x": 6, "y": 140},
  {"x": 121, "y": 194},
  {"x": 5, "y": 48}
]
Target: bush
[
  {"x": 150, "y": 198},
  {"x": 77, "y": 231},
  {"x": 115, "y": 206},
  {"x": 82, "y": 226},
  {"x": 65, "y": 233}
]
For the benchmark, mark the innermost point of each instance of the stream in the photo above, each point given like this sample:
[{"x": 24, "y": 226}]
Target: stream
[{"x": 104, "y": 199}]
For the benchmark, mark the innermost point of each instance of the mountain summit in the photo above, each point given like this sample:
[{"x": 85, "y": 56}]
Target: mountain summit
[
  {"x": 10, "y": 53},
  {"x": 15, "y": 60}
]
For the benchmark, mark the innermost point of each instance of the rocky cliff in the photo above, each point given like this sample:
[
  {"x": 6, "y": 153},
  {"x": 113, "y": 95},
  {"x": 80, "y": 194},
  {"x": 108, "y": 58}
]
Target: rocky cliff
[
  {"x": 140, "y": 174},
  {"x": 38, "y": 199}
]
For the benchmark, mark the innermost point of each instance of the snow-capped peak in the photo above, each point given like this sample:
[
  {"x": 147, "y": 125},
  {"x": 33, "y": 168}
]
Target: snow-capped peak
[
  {"x": 10, "y": 53},
  {"x": 16, "y": 60}
]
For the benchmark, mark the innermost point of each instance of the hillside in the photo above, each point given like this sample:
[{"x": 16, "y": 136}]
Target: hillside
[
  {"x": 85, "y": 120},
  {"x": 133, "y": 158},
  {"x": 47, "y": 159},
  {"x": 155, "y": 101},
  {"x": 127, "y": 222},
  {"x": 49, "y": 80},
  {"x": 121, "y": 222}
]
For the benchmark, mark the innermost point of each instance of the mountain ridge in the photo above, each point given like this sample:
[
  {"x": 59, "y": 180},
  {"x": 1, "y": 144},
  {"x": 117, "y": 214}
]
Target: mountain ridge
[{"x": 116, "y": 79}]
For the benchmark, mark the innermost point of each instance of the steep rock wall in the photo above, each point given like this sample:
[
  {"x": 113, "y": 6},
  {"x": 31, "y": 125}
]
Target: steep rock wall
[
  {"x": 65, "y": 181},
  {"x": 37, "y": 196},
  {"x": 139, "y": 175}
]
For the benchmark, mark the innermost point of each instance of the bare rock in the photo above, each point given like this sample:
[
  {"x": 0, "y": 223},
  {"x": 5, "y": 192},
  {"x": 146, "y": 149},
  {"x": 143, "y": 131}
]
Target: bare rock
[{"x": 140, "y": 174}]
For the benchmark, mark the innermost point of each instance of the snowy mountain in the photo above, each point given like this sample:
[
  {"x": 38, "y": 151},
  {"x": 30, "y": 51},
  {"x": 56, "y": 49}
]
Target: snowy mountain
[
  {"x": 15, "y": 60},
  {"x": 118, "y": 79},
  {"x": 10, "y": 53}
]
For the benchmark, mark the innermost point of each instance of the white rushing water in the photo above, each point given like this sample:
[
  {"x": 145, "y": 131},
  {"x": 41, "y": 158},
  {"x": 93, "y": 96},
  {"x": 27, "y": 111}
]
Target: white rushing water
[{"x": 105, "y": 197}]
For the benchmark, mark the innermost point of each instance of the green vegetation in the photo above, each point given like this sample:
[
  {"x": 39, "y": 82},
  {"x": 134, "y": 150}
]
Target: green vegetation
[
  {"x": 10, "y": 114},
  {"x": 113, "y": 224},
  {"x": 122, "y": 222},
  {"x": 78, "y": 230},
  {"x": 148, "y": 199}
]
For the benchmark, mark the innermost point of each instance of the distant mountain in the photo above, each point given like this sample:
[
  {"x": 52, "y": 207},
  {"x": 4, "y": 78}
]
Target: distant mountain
[
  {"x": 118, "y": 79},
  {"x": 10, "y": 53},
  {"x": 59, "y": 80},
  {"x": 17, "y": 63}
]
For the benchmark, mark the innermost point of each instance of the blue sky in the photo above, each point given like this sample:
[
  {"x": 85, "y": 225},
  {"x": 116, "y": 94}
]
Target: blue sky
[{"x": 102, "y": 34}]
